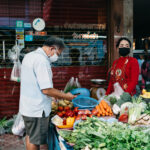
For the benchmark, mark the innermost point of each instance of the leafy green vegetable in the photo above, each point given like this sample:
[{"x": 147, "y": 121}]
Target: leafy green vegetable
[
  {"x": 6, "y": 125},
  {"x": 125, "y": 97},
  {"x": 3, "y": 122},
  {"x": 112, "y": 100},
  {"x": 110, "y": 136},
  {"x": 136, "y": 100},
  {"x": 147, "y": 111},
  {"x": 65, "y": 134}
]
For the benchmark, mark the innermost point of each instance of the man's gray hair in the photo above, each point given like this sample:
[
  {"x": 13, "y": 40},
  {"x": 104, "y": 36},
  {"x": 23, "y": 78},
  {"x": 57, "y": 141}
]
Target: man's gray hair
[{"x": 51, "y": 41}]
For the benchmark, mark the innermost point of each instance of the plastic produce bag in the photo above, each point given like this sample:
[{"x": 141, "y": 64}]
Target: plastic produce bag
[
  {"x": 117, "y": 90},
  {"x": 72, "y": 84},
  {"x": 16, "y": 71},
  {"x": 76, "y": 83},
  {"x": 18, "y": 127}
]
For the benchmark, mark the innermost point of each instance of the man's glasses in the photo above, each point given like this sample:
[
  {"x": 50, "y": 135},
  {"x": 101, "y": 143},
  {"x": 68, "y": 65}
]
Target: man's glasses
[{"x": 57, "y": 51}]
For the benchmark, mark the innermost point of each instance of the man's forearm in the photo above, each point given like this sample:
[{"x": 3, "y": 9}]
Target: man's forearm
[{"x": 52, "y": 92}]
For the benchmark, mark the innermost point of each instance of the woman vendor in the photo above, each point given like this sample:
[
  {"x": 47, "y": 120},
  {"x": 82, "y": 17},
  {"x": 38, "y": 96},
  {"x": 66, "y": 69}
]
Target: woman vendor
[{"x": 125, "y": 70}]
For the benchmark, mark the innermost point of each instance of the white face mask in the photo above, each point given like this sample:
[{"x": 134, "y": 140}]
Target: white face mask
[{"x": 53, "y": 58}]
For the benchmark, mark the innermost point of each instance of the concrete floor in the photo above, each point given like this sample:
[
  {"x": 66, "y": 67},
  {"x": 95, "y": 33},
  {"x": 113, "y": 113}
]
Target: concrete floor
[{"x": 12, "y": 142}]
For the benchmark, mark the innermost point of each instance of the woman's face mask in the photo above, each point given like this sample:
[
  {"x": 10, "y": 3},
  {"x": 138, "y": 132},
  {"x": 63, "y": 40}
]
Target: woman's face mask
[
  {"x": 124, "y": 51},
  {"x": 124, "y": 48}
]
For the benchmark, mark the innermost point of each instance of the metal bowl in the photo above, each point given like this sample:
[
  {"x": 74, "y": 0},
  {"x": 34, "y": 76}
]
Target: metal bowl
[{"x": 98, "y": 81}]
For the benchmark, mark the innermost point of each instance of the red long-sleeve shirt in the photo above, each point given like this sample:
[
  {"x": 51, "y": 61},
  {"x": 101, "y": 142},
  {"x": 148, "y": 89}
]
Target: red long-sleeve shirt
[{"x": 125, "y": 70}]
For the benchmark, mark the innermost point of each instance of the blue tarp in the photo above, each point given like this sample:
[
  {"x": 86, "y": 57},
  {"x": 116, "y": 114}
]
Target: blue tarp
[{"x": 53, "y": 141}]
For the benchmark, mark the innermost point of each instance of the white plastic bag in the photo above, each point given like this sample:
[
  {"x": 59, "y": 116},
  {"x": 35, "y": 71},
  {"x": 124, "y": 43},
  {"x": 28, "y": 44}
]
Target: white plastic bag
[
  {"x": 118, "y": 91},
  {"x": 72, "y": 84},
  {"x": 76, "y": 83},
  {"x": 18, "y": 127},
  {"x": 16, "y": 71}
]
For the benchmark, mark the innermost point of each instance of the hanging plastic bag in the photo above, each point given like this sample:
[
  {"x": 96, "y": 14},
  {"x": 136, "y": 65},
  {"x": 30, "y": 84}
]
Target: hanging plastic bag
[
  {"x": 76, "y": 83},
  {"x": 16, "y": 71},
  {"x": 72, "y": 84},
  {"x": 18, "y": 127}
]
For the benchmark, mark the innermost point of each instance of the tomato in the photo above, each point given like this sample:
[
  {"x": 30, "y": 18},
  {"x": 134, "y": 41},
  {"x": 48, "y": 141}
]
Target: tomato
[
  {"x": 123, "y": 118},
  {"x": 83, "y": 117},
  {"x": 78, "y": 117},
  {"x": 66, "y": 108},
  {"x": 60, "y": 114},
  {"x": 63, "y": 112},
  {"x": 81, "y": 112},
  {"x": 64, "y": 122},
  {"x": 69, "y": 113},
  {"x": 87, "y": 112},
  {"x": 60, "y": 108},
  {"x": 76, "y": 109},
  {"x": 90, "y": 115},
  {"x": 94, "y": 112}
]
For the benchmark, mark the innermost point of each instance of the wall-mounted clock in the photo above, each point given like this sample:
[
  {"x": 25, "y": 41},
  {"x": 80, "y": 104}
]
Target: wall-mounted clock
[{"x": 38, "y": 24}]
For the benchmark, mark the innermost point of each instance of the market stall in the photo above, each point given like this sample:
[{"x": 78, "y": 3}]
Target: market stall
[{"x": 112, "y": 122}]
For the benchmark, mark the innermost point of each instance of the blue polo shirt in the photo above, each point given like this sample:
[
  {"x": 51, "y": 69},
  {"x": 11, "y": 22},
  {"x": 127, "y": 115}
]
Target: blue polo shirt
[{"x": 36, "y": 74}]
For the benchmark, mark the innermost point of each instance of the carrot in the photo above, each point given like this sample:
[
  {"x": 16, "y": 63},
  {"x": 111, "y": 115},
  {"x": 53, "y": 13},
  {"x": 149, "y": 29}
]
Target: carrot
[
  {"x": 103, "y": 114},
  {"x": 104, "y": 104},
  {"x": 107, "y": 113},
  {"x": 100, "y": 111},
  {"x": 97, "y": 107},
  {"x": 98, "y": 115},
  {"x": 107, "y": 110},
  {"x": 101, "y": 107}
]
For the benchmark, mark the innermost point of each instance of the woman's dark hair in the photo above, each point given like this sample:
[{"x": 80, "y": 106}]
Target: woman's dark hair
[
  {"x": 51, "y": 41},
  {"x": 123, "y": 38}
]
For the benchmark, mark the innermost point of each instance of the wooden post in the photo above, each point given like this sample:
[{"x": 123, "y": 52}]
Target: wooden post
[{"x": 120, "y": 24}]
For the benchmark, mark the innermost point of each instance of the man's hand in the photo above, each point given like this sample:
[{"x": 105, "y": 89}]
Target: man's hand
[
  {"x": 58, "y": 94},
  {"x": 69, "y": 96}
]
